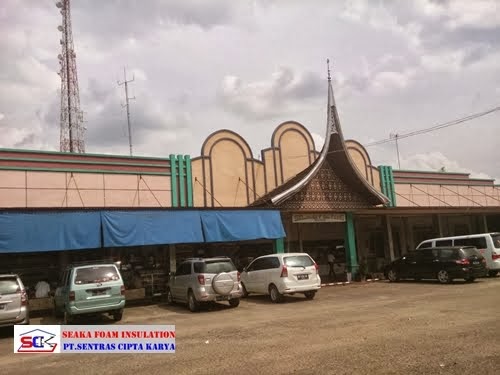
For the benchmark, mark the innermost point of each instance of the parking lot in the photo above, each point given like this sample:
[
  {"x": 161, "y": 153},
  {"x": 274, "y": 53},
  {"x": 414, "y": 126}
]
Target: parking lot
[{"x": 372, "y": 328}]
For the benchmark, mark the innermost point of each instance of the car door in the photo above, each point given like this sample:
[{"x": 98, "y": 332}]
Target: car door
[
  {"x": 252, "y": 274},
  {"x": 10, "y": 298},
  {"x": 408, "y": 265},
  {"x": 178, "y": 283},
  {"x": 267, "y": 273},
  {"x": 428, "y": 265}
]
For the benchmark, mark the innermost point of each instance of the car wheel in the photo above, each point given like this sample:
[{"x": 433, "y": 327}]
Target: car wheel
[
  {"x": 170, "y": 298},
  {"x": 117, "y": 316},
  {"x": 275, "y": 295},
  {"x": 244, "y": 291},
  {"x": 310, "y": 295},
  {"x": 235, "y": 302},
  {"x": 470, "y": 279},
  {"x": 392, "y": 275},
  {"x": 192, "y": 302},
  {"x": 492, "y": 273},
  {"x": 444, "y": 277}
]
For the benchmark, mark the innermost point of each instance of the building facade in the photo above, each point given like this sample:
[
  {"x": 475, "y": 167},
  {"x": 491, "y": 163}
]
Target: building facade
[{"x": 335, "y": 200}]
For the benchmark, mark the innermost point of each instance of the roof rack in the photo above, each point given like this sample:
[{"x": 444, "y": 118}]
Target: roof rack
[
  {"x": 201, "y": 258},
  {"x": 92, "y": 262}
]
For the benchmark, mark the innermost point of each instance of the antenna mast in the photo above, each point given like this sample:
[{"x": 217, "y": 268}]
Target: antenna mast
[
  {"x": 71, "y": 118},
  {"x": 125, "y": 82}
]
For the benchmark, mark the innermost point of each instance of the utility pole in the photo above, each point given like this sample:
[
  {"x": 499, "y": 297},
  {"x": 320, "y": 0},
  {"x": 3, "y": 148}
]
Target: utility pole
[
  {"x": 125, "y": 82},
  {"x": 395, "y": 137}
]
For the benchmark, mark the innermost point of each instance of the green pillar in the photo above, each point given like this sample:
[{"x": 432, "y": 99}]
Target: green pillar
[
  {"x": 173, "y": 181},
  {"x": 189, "y": 181},
  {"x": 182, "y": 181},
  {"x": 350, "y": 246},
  {"x": 279, "y": 245}
]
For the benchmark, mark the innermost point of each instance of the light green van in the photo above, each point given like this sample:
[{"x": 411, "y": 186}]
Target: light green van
[{"x": 90, "y": 289}]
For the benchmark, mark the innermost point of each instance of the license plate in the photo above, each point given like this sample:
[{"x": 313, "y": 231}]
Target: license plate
[
  {"x": 221, "y": 298},
  {"x": 98, "y": 292},
  {"x": 476, "y": 262},
  {"x": 303, "y": 277}
]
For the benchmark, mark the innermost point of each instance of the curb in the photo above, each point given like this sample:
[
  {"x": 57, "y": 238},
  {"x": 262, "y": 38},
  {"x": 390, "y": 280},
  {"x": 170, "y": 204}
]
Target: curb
[{"x": 348, "y": 283}]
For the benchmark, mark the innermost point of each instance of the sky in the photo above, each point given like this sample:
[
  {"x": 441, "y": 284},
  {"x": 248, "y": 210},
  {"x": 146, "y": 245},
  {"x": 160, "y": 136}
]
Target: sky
[{"x": 200, "y": 66}]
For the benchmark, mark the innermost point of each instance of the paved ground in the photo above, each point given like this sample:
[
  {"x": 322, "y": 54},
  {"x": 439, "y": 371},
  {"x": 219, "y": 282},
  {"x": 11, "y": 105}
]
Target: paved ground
[{"x": 375, "y": 328}]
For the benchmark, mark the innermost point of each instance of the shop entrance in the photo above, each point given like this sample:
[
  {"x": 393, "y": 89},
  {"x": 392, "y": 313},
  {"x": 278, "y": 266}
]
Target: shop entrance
[{"x": 320, "y": 235}]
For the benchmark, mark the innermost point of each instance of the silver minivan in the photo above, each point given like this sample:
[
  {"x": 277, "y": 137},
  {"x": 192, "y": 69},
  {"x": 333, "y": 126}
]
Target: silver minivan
[
  {"x": 14, "y": 307},
  {"x": 488, "y": 245}
]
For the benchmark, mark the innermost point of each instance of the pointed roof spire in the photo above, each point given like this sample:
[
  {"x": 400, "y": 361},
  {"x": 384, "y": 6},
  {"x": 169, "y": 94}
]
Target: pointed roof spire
[{"x": 334, "y": 152}]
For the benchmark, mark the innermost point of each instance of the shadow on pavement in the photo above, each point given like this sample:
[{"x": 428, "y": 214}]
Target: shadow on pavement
[
  {"x": 265, "y": 300},
  {"x": 182, "y": 308}
]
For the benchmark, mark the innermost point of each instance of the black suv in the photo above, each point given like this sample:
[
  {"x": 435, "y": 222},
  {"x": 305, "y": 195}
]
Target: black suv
[{"x": 441, "y": 263}]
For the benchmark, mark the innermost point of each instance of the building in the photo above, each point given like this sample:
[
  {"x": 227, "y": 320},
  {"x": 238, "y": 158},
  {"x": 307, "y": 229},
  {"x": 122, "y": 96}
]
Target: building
[{"x": 229, "y": 203}]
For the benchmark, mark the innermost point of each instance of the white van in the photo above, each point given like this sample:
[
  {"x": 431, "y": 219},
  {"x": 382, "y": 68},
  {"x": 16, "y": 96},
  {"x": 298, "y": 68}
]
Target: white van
[{"x": 488, "y": 245}]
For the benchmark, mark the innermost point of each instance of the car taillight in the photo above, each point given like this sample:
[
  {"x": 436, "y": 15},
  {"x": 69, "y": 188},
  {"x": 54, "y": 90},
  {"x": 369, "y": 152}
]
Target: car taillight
[
  {"x": 284, "y": 272},
  {"x": 201, "y": 279},
  {"x": 122, "y": 290},
  {"x": 239, "y": 277},
  {"x": 316, "y": 267},
  {"x": 495, "y": 256},
  {"x": 463, "y": 262},
  {"x": 24, "y": 297},
  {"x": 72, "y": 296}
]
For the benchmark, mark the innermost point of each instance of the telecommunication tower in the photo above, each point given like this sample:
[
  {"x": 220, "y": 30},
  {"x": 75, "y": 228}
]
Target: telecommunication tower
[{"x": 71, "y": 122}]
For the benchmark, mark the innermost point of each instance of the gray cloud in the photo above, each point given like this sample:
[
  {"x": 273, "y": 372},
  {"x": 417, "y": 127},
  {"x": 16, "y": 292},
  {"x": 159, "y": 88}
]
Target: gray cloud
[
  {"x": 201, "y": 66},
  {"x": 268, "y": 98}
]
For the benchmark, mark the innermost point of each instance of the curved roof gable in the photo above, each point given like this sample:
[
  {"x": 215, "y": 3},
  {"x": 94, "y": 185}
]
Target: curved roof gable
[{"x": 334, "y": 154}]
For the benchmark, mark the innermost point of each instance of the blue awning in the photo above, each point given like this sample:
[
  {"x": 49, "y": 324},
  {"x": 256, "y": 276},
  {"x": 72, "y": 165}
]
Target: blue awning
[
  {"x": 49, "y": 231},
  {"x": 242, "y": 225},
  {"x": 75, "y": 230},
  {"x": 137, "y": 228}
]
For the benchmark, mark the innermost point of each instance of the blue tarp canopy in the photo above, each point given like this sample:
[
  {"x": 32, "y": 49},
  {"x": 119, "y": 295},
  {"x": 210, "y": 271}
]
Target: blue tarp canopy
[
  {"x": 137, "y": 228},
  {"x": 74, "y": 230},
  {"x": 49, "y": 231},
  {"x": 226, "y": 226}
]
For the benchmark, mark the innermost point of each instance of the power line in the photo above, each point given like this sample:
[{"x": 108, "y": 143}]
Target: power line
[{"x": 435, "y": 127}]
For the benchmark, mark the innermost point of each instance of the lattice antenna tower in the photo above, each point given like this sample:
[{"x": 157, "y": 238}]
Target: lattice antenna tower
[{"x": 71, "y": 122}]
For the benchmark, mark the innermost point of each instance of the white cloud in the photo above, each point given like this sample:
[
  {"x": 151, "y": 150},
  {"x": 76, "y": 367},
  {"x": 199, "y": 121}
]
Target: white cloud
[{"x": 434, "y": 161}]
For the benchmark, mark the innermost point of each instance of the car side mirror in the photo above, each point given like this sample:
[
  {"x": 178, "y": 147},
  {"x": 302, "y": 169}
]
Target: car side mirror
[{"x": 244, "y": 269}]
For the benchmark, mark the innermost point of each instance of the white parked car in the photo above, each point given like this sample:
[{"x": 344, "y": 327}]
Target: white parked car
[{"x": 280, "y": 274}]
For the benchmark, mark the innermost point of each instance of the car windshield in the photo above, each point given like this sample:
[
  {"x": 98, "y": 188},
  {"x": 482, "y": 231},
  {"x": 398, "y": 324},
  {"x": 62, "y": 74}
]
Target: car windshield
[
  {"x": 8, "y": 285},
  {"x": 97, "y": 274},
  {"x": 496, "y": 240},
  {"x": 298, "y": 261},
  {"x": 215, "y": 266}
]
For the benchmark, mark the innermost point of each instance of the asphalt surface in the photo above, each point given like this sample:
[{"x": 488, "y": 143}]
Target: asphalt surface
[{"x": 372, "y": 328}]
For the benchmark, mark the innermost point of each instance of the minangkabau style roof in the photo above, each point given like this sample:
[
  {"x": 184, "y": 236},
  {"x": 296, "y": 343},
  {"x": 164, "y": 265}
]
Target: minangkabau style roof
[{"x": 335, "y": 155}]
